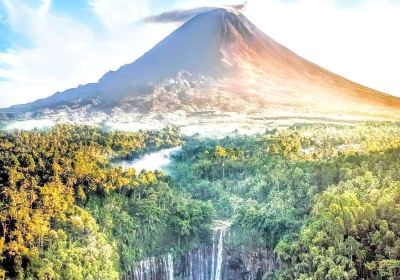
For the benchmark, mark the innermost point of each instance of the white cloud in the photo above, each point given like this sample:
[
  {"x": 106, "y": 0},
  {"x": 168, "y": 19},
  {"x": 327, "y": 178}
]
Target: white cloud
[
  {"x": 116, "y": 13},
  {"x": 66, "y": 52},
  {"x": 360, "y": 42}
]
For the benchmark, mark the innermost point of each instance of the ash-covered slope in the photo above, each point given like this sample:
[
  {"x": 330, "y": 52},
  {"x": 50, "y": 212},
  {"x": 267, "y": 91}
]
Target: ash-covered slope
[{"x": 216, "y": 61}]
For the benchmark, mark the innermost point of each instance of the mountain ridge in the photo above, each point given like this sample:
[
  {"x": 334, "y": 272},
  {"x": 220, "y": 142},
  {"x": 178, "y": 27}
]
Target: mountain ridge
[{"x": 218, "y": 60}]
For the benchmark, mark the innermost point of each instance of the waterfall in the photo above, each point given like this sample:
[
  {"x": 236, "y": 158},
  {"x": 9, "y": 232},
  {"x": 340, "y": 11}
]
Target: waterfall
[
  {"x": 213, "y": 261},
  {"x": 152, "y": 269},
  {"x": 213, "y": 257},
  {"x": 196, "y": 265},
  {"x": 190, "y": 266},
  {"x": 206, "y": 262},
  {"x": 170, "y": 267},
  {"x": 220, "y": 249}
]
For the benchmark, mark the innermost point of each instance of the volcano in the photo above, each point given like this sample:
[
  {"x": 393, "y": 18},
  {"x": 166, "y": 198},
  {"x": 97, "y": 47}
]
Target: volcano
[{"x": 218, "y": 61}]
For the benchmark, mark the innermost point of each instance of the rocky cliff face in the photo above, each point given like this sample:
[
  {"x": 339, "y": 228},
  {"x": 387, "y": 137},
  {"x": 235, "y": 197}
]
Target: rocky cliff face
[
  {"x": 242, "y": 264},
  {"x": 236, "y": 264},
  {"x": 215, "y": 261}
]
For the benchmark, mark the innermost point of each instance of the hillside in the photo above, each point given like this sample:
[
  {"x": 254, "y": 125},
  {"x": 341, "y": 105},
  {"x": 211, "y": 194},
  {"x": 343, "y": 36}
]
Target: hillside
[{"x": 218, "y": 62}]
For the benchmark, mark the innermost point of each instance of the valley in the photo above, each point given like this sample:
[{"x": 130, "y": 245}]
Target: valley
[
  {"x": 219, "y": 154},
  {"x": 297, "y": 199}
]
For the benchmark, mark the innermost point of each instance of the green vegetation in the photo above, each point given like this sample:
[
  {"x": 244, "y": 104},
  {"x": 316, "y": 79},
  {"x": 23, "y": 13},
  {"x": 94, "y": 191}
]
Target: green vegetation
[
  {"x": 66, "y": 213},
  {"x": 325, "y": 198}
]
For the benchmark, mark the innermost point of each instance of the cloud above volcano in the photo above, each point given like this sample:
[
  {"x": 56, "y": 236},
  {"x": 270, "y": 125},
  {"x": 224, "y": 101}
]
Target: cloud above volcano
[{"x": 182, "y": 15}]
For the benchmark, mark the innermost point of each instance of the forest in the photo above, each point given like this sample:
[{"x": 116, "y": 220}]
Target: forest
[
  {"x": 67, "y": 213},
  {"x": 324, "y": 198}
]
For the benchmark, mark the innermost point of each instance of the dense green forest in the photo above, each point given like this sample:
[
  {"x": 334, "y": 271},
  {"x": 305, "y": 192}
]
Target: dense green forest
[
  {"x": 67, "y": 213},
  {"x": 325, "y": 198}
]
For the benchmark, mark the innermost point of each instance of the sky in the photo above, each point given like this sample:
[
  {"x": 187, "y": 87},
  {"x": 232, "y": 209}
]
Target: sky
[{"x": 52, "y": 45}]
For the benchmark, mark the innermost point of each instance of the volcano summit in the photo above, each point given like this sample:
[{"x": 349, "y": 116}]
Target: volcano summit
[{"x": 217, "y": 63}]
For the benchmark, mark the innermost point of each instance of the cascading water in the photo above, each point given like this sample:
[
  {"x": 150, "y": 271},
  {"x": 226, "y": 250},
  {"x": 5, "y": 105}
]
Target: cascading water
[
  {"x": 170, "y": 267},
  {"x": 216, "y": 261},
  {"x": 206, "y": 262},
  {"x": 220, "y": 247},
  {"x": 209, "y": 262},
  {"x": 161, "y": 268},
  {"x": 213, "y": 257}
]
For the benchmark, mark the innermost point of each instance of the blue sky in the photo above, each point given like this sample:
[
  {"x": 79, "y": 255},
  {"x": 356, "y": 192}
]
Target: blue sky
[{"x": 52, "y": 45}]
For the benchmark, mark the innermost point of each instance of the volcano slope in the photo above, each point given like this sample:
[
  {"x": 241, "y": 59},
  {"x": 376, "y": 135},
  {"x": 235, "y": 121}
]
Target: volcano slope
[{"x": 216, "y": 64}]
